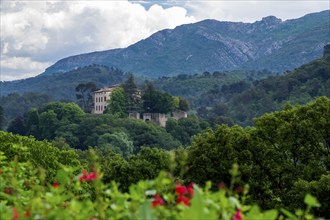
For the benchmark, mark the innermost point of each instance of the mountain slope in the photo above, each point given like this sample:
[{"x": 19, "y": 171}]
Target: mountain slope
[
  {"x": 212, "y": 45},
  {"x": 59, "y": 86},
  {"x": 300, "y": 86}
]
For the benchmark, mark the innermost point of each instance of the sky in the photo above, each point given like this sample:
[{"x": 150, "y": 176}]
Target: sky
[{"x": 35, "y": 34}]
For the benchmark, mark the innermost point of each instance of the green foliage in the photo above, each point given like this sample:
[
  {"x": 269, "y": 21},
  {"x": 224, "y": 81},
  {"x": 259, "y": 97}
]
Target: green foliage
[
  {"x": 132, "y": 95},
  {"x": 118, "y": 142},
  {"x": 27, "y": 193},
  {"x": 15, "y": 105},
  {"x": 155, "y": 101},
  {"x": 185, "y": 128},
  {"x": 60, "y": 87},
  {"x": 41, "y": 154},
  {"x": 281, "y": 149},
  {"x": 117, "y": 103},
  {"x": 84, "y": 95},
  {"x": 183, "y": 104},
  {"x": 245, "y": 102},
  {"x": 1, "y": 117}
]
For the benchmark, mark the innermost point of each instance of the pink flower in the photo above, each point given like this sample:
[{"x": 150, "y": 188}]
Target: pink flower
[
  {"x": 157, "y": 201},
  {"x": 238, "y": 215}
]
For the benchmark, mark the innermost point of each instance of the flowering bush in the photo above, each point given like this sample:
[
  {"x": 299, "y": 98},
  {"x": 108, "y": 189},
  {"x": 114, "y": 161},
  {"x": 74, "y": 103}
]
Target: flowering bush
[{"x": 25, "y": 193}]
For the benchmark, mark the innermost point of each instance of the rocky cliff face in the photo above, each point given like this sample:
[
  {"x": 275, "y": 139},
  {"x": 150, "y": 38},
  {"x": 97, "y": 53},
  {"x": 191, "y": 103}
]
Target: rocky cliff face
[{"x": 212, "y": 45}]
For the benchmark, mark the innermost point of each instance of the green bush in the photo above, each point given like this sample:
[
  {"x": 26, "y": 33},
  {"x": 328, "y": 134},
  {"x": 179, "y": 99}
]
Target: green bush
[{"x": 26, "y": 193}]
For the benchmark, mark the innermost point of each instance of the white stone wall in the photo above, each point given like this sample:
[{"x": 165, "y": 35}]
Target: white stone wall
[{"x": 101, "y": 99}]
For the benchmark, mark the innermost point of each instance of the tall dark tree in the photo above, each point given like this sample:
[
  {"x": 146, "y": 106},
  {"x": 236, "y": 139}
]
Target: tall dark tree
[
  {"x": 155, "y": 101},
  {"x": 17, "y": 126},
  {"x": 183, "y": 104},
  {"x": 84, "y": 95},
  {"x": 33, "y": 123},
  {"x": 132, "y": 95}
]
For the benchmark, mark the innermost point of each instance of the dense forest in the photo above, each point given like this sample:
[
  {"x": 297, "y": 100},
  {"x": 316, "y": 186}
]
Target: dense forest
[
  {"x": 252, "y": 94},
  {"x": 283, "y": 158},
  {"x": 255, "y": 144}
]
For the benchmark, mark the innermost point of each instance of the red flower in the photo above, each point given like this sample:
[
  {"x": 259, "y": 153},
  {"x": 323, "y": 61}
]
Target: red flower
[
  {"x": 222, "y": 186},
  {"x": 184, "y": 200},
  {"x": 157, "y": 201},
  {"x": 238, "y": 215},
  {"x": 15, "y": 213},
  {"x": 239, "y": 189},
  {"x": 88, "y": 176},
  {"x": 93, "y": 175},
  {"x": 180, "y": 190},
  {"x": 0, "y": 172},
  {"x": 8, "y": 191},
  {"x": 56, "y": 185},
  {"x": 190, "y": 189},
  {"x": 27, "y": 213}
]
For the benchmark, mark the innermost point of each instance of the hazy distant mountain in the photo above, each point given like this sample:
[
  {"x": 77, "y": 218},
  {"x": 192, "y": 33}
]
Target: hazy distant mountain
[{"x": 212, "y": 45}]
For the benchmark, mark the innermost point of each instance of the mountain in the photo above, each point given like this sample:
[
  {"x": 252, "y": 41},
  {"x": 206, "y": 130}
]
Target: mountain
[
  {"x": 212, "y": 45},
  {"x": 62, "y": 86}
]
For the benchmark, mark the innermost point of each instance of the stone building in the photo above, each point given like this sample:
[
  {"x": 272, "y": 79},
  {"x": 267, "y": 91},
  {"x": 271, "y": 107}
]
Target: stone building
[
  {"x": 178, "y": 114},
  {"x": 157, "y": 118},
  {"x": 101, "y": 98}
]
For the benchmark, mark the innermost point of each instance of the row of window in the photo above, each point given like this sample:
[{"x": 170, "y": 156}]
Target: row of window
[
  {"x": 100, "y": 99},
  {"x": 100, "y": 108}
]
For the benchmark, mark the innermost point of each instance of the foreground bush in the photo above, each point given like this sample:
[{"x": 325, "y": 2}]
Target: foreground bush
[{"x": 26, "y": 193}]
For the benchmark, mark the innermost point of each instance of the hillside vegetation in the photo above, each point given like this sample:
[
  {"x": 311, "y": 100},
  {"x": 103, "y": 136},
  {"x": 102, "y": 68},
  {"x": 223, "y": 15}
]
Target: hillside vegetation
[
  {"x": 283, "y": 163},
  {"x": 62, "y": 87},
  {"x": 249, "y": 96}
]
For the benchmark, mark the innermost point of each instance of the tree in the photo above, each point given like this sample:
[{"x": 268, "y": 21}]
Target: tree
[
  {"x": 183, "y": 104},
  {"x": 132, "y": 95},
  {"x": 118, "y": 142},
  {"x": 84, "y": 95},
  {"x": 33, "y": 123},
  {"x": 48, "y": 124},
  {"x": 17, "y": 126},
  {"x": 117, "y": 103},
  {"x": 155, "y": 101}
]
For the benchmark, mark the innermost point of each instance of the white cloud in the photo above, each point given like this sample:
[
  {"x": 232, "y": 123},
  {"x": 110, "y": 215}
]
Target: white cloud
[
  {"x": 250, "y": 11},
  {"x": 35, "y": 34},
  {"x": 19, "y": 68}
]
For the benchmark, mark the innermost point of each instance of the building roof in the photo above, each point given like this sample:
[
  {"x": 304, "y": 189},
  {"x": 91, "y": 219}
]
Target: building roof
[{"x": 107, "y": 89}]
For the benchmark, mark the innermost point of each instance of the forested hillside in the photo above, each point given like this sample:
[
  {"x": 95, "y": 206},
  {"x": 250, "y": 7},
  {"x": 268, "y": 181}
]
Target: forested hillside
[
  {"x": 62, "y": 87},
  {"x": 283, "y": 165},
  {"x": 220, "y": 97},
  {"x": 249, "y": 97}
]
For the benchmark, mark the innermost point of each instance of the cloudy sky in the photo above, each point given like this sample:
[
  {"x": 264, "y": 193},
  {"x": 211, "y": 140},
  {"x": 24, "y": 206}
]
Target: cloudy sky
[{"x": 36, "y": 33}]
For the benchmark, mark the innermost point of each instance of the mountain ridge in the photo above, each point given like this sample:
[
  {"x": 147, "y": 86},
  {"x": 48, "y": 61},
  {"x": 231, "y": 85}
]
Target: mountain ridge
[{"x": 212, "y": 45}]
